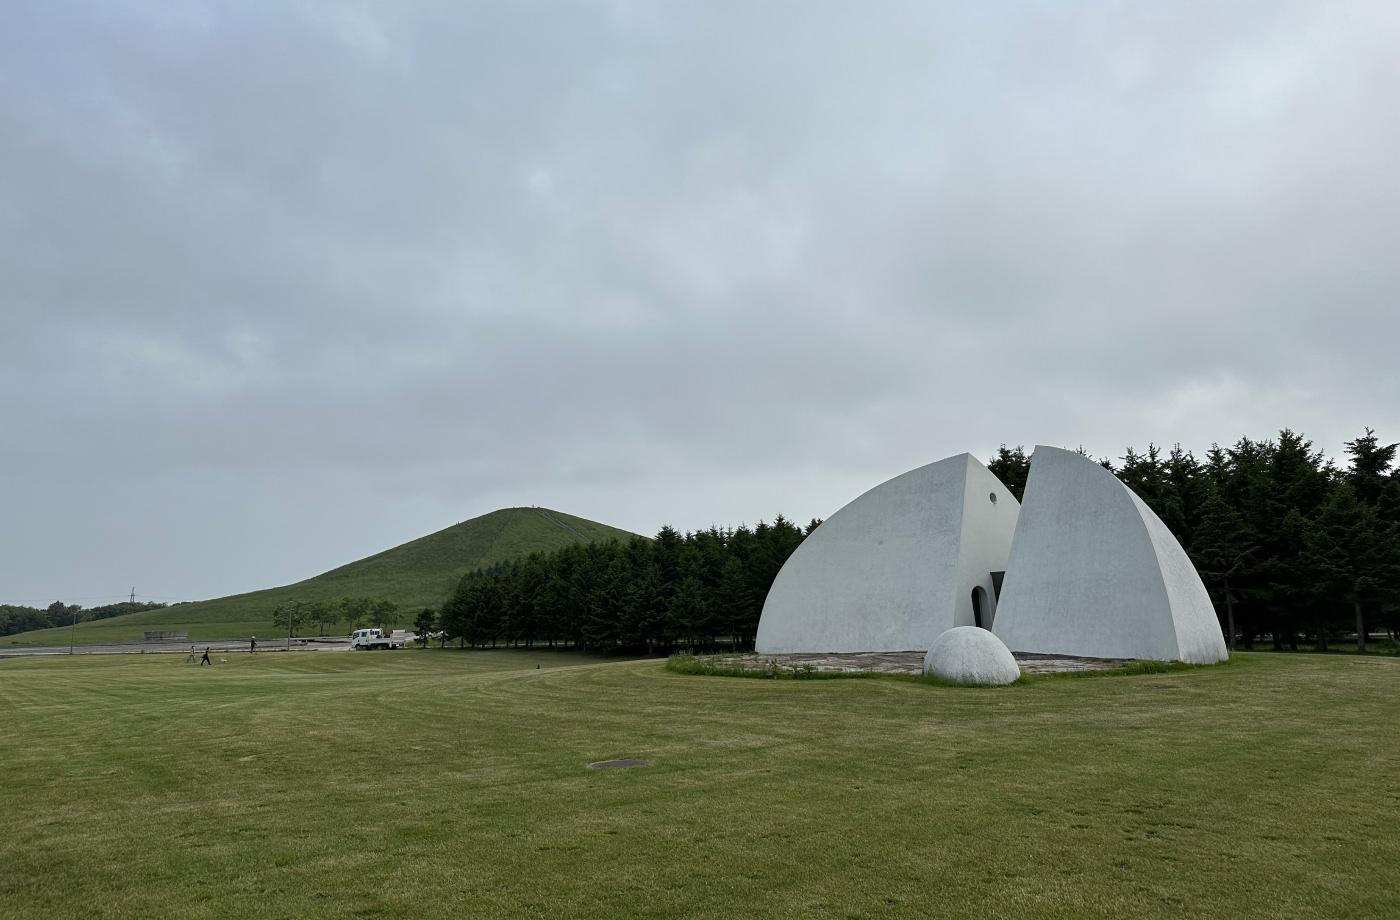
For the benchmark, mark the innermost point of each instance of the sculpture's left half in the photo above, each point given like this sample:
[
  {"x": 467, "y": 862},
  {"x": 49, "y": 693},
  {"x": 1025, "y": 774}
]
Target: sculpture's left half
[{"x": 893, "y": 569}]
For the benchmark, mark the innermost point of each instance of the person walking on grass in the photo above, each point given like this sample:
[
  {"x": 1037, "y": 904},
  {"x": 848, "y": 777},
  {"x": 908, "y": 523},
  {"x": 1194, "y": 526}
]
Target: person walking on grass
[
  {"x": 192, "y": 657},
  {"x": 254, "y": 646},
  {"x": 205, "y": 660}
]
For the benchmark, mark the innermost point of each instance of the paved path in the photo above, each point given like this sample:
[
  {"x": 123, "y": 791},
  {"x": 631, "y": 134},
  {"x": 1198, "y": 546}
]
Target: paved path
[
  {"x": 549, "y": 516},
  {"x": 223, "y": 647}
]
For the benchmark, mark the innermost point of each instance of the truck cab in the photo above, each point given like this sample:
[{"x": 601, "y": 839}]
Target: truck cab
[{"x": 368, "y": 639}]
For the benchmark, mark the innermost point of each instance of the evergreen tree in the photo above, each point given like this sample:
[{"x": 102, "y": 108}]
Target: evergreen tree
[
  {"x": 520, "y": 588},
  {"x": 1369, "y": 473},
  {"x": 643, "y": 622},
  {"x": 455, "y": 617},
  {"x": 483, "y": 612},
  {"x": 734, "y": 600},
  {"x": 552, "y": 605},
  {"x": 603, "y": 629},
  {"x": 687, "y": 610},
  {"x": 583, "y": 578},
  {"x": 1219, "y": 548},
  {"x": 424, "y": 623},
  {"x": 638, "y": 613},
  {"x": 1351, "y": 552},
  {"x": 1143, "y": 474},
  {"x": 1011, "y": 466}
]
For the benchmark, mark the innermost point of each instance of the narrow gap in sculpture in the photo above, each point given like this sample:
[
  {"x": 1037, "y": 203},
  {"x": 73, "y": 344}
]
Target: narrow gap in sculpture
[{"x": 977, "y": 594}]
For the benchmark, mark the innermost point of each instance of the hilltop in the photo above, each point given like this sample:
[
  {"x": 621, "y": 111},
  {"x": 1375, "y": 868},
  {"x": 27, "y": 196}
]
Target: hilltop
[{"x": 420, "y": 573}]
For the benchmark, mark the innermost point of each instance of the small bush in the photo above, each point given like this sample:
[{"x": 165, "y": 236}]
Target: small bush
[{"x": 1386, "y": 646}]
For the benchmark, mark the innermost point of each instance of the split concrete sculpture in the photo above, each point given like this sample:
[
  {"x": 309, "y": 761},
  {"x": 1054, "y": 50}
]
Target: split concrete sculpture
[
  {"x": 968, "y": 655},
  {"x": 1094, "y": 572},
  {"x": 895, "y": 568}
]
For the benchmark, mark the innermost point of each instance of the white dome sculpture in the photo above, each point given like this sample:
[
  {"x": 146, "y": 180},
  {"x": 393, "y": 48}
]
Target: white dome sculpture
[
  {"x": 968, "y": 655},
  {"x": 1094, "y": 572},
  {"x": 912, "y": 557}
]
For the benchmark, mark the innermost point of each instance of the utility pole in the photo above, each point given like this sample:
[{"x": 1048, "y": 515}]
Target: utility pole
[
  {"x": 72, "y": 628},
  {"x": 289, "y": 623},
  {"x": 133, "y": 595}
]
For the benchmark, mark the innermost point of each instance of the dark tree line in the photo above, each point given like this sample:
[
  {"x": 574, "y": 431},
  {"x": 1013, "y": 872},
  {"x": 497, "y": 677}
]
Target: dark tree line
[
  {"x": 1290, "y": 546},
  {"x": 22, "y": 619},
  {"x": 700, "y": 590}
]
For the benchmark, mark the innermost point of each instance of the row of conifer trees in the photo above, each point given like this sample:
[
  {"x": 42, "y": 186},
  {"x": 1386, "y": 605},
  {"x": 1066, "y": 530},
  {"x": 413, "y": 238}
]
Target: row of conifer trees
[
  {"x": 694, "y": 590},
  {"x": 1291, "y": 546}
]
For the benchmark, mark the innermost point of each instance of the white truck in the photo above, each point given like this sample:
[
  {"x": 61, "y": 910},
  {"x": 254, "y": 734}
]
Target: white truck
[{"x": 371, "y": 639}]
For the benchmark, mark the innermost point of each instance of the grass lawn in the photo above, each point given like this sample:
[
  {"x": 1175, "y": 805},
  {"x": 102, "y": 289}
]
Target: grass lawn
[{"x": 427, "y": 784}]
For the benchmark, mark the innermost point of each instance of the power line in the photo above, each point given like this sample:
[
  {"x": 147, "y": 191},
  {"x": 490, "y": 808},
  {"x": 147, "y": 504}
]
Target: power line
[
  {"x": 36, "y": 600},
  {"x": 96, "y": 597}
]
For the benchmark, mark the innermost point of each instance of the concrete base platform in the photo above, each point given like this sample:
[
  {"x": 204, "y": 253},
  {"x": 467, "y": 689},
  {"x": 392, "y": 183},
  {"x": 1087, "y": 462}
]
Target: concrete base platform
[{"x": 905, "y": 662}]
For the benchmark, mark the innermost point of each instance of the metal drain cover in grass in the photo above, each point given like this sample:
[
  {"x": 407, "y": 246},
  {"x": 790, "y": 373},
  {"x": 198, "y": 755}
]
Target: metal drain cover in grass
[{"x": 617, "y": 764}]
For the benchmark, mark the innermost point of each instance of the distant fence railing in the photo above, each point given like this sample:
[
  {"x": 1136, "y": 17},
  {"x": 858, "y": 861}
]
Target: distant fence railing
[{"x": 175, "y": 634}]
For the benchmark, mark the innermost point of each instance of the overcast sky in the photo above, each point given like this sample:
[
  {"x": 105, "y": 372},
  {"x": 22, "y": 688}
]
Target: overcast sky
[{"x": 285, "y": 284}]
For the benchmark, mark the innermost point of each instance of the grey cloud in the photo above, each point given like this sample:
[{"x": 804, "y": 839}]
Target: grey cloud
[{"x": 360, "y": 271}]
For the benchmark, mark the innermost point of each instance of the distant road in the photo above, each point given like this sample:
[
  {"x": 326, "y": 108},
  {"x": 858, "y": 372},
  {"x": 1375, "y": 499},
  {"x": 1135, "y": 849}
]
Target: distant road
[{"x": 182, "y": 647}]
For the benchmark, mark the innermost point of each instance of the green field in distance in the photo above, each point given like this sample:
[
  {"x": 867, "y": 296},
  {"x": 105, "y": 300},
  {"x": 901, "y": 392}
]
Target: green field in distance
[
  {"x": 455, "y": 784},
  {"x": 421, "y": 573}
]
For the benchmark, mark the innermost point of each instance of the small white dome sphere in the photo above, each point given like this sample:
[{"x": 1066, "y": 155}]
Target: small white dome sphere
[{"x": 971, "y": 655}]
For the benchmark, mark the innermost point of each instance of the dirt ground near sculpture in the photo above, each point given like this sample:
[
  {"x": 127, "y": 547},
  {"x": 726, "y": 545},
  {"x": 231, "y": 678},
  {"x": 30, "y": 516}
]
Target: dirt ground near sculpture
[{"x": 906, "y": 662}]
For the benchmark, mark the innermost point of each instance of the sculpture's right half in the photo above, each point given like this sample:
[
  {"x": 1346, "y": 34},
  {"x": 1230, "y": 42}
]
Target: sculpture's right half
[{"x": 1094, "y": 572}]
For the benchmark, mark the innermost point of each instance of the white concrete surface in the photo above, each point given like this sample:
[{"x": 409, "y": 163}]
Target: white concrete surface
[
  {"x": 968, "y": 655},
  {"x": 1094, "y": 572},
  {"x": 896, "y": 567}
]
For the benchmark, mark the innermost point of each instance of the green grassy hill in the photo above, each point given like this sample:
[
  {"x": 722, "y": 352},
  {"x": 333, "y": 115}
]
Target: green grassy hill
[{"x": 418, "y": 574}]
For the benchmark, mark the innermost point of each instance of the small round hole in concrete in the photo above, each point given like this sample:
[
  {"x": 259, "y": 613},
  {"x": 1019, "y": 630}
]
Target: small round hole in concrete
[{"x": 615, "y": 764}]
